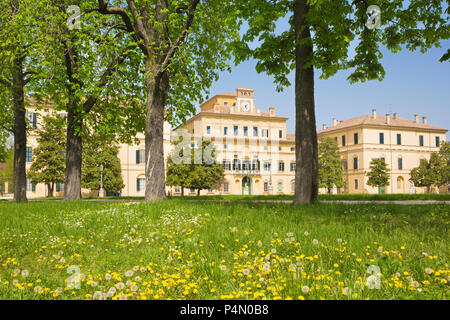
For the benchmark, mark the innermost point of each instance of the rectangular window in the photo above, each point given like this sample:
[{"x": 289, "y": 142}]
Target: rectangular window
[
  {"x": 140, "y": 184},
  {"x": 355, "y": 138},
  {"x": 225, "y": 146},
  {"x": 31, "y": 186},
  {"x": 383, "y": 159},
  {"x": 281, "y": 166},
  {"x": 355, "y": 163},
  {"x": 280, "y": 134},
  {"x": 140, "y": 156},
  {"x": 335, "y": 139},
  {"x": 225, "y": 131},
  {"x": 255, "y": 131},
  {"x": 356, "y": 184},
  {"x": 29, "y": 154},
  {"x": 343, "y": 141},
  {"x": 280, "y": 187},
  {"x": 400, "y": 164},
  {"x": 245, "y": 131},
  {"x": 421, "y": 141},
  {"x": 208, "y": 129},
  {"x": 31, "y": 117},
  {"x": 399, "y": 139},
  {"x": 266, "y": 187},
  {"x": 265, "y": 133},
  {"x": 266, "y": 166},
  {"x": 381, "y": 138},
  {"x": 236, "y": 130},
  {"x": 292, "y": 166},
  {"x": 177, "y": 189},
  {"x": 344, "y": 164},
  {"x": 438, "y": 142},
  {"x": 226, "y": 187},
  {"x": 59, "y": 187},
  {"x": 292, "y": 148}
]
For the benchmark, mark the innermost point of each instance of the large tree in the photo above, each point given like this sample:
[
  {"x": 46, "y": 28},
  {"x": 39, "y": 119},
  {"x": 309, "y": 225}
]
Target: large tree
[
  {"x": 87, "y": 63},
  {"x": 318, "y": 37},
  {"x": 378, "y": 174},
  {"x": 330, "y": 164},
  {"x": 183, "y": 44},
  {"x": 48, "y": 164},
  {"x": 20, "y": 48}
]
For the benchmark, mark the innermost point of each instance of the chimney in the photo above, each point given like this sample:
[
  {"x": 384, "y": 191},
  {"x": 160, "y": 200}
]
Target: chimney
[
  {"x": 335, "y": 122},
  {"x": 424, "y": 120},
  {"x": 271, "y": 111},
  {"x": 416, "y": 118},
  {"x": 374, "y": 113},
  {"x": 388, "y": 118},
  {"x": 324, "y": 126},
  {"x": 395, "y": 115}
]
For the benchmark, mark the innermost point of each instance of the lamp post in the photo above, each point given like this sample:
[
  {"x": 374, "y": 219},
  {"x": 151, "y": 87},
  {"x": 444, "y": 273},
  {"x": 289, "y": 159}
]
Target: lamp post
[{"x": 101, "y": 192}]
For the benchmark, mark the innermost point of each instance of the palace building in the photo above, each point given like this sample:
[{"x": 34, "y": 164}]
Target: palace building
[
  {"x": 258, "y": 155},
  {"x": 400, "y": 142}
]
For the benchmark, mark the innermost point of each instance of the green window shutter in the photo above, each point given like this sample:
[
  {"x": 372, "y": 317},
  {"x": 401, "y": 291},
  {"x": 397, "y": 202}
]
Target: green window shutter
[
  {"x": 138, "y": 160},
  {"x": 34, "y": 120},
  {"x": 33, "y": 187},
  {"x": 137, "y": 185}
]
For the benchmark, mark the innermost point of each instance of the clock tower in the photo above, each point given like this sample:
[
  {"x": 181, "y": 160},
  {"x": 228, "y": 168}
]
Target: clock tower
[{"x": 245, "y": 101}]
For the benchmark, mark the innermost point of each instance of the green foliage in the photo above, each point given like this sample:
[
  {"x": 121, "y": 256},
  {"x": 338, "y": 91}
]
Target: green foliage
[
  {"x": 430, "y": 173},
  {"x": 98, "y": 150},
  {"x": 330, "y": 165},
  {"x": 196, "y": 173},
  {"x": 4, "y": 147},
  {"x": 7, "y": 174},
  {"x": 444, "y": 153},
  {"x": 378, "y": 173},
  {"x": 337, "y": 26},
  {"x": 48, "y": 158}
]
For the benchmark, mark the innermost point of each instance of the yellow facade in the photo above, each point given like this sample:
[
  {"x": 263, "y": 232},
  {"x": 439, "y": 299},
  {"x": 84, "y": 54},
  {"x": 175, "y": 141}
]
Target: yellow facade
[
  {"x": 401, "y": 143},
  {"x": 259, "y": 155}
]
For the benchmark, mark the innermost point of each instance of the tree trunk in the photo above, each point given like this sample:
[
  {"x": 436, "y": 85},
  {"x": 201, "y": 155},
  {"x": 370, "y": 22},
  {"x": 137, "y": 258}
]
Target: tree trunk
[
  {"x": 72, "y": 186},
  {"x": 50, "y": 187},
  {"x": 157, "y": 86},
  {"x": 306, "y": 172},
  {"x": 182, "y": 191},
  {"x": 198, "y": 192},
  {"x": 20, "y": 133}
]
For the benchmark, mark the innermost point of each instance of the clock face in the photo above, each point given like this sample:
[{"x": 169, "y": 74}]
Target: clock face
[{"x": 245, "y": 106}]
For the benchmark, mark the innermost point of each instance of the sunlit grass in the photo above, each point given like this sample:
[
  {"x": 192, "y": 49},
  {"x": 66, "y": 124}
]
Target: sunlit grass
[{"x": 210, "y": 250}]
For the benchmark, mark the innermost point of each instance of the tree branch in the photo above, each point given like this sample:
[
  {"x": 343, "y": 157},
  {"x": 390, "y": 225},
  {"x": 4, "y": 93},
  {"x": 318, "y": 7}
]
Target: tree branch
[
  {"x": 182, "y": 36},
  {"x": 91, "y": 100},
  {"x": 137, "y": 34}
]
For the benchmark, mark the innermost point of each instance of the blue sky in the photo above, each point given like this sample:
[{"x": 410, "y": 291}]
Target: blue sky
[{"x": 415, "y": 83}]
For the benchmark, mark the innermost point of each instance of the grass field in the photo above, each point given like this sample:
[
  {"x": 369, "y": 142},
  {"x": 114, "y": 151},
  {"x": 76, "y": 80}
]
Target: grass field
[
  {"x": 369, "y": 197},
  {"x": 231, "y": 250}
]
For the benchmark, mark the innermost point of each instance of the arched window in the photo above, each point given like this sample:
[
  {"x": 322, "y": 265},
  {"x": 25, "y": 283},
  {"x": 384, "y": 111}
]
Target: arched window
[{"x": 280, "y": 186}]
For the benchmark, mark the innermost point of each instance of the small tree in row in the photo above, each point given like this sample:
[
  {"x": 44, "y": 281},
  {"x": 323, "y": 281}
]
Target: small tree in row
[
  {"x": 330, "y": 165},
  {"x": 430, "y": 173},
  {"x": 378, "y": 174},
  {"x": 49, "y": 157},
  {"x": 194, "y": 172}
]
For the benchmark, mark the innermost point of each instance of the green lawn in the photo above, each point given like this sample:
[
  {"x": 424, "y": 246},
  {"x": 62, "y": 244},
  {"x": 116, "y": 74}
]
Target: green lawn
[
  {"x": 369, "y": 197},
  {"x": 222, "y": 250}
]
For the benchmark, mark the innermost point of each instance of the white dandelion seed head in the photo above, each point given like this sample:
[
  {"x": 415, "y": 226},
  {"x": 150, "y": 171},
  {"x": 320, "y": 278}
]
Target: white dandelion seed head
[
  {"x": 305, "y": 289},
  {"x": 428, "y": 271},
  {"x": 315, "y": 241},
  {"x": 129, "y": 273}
]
